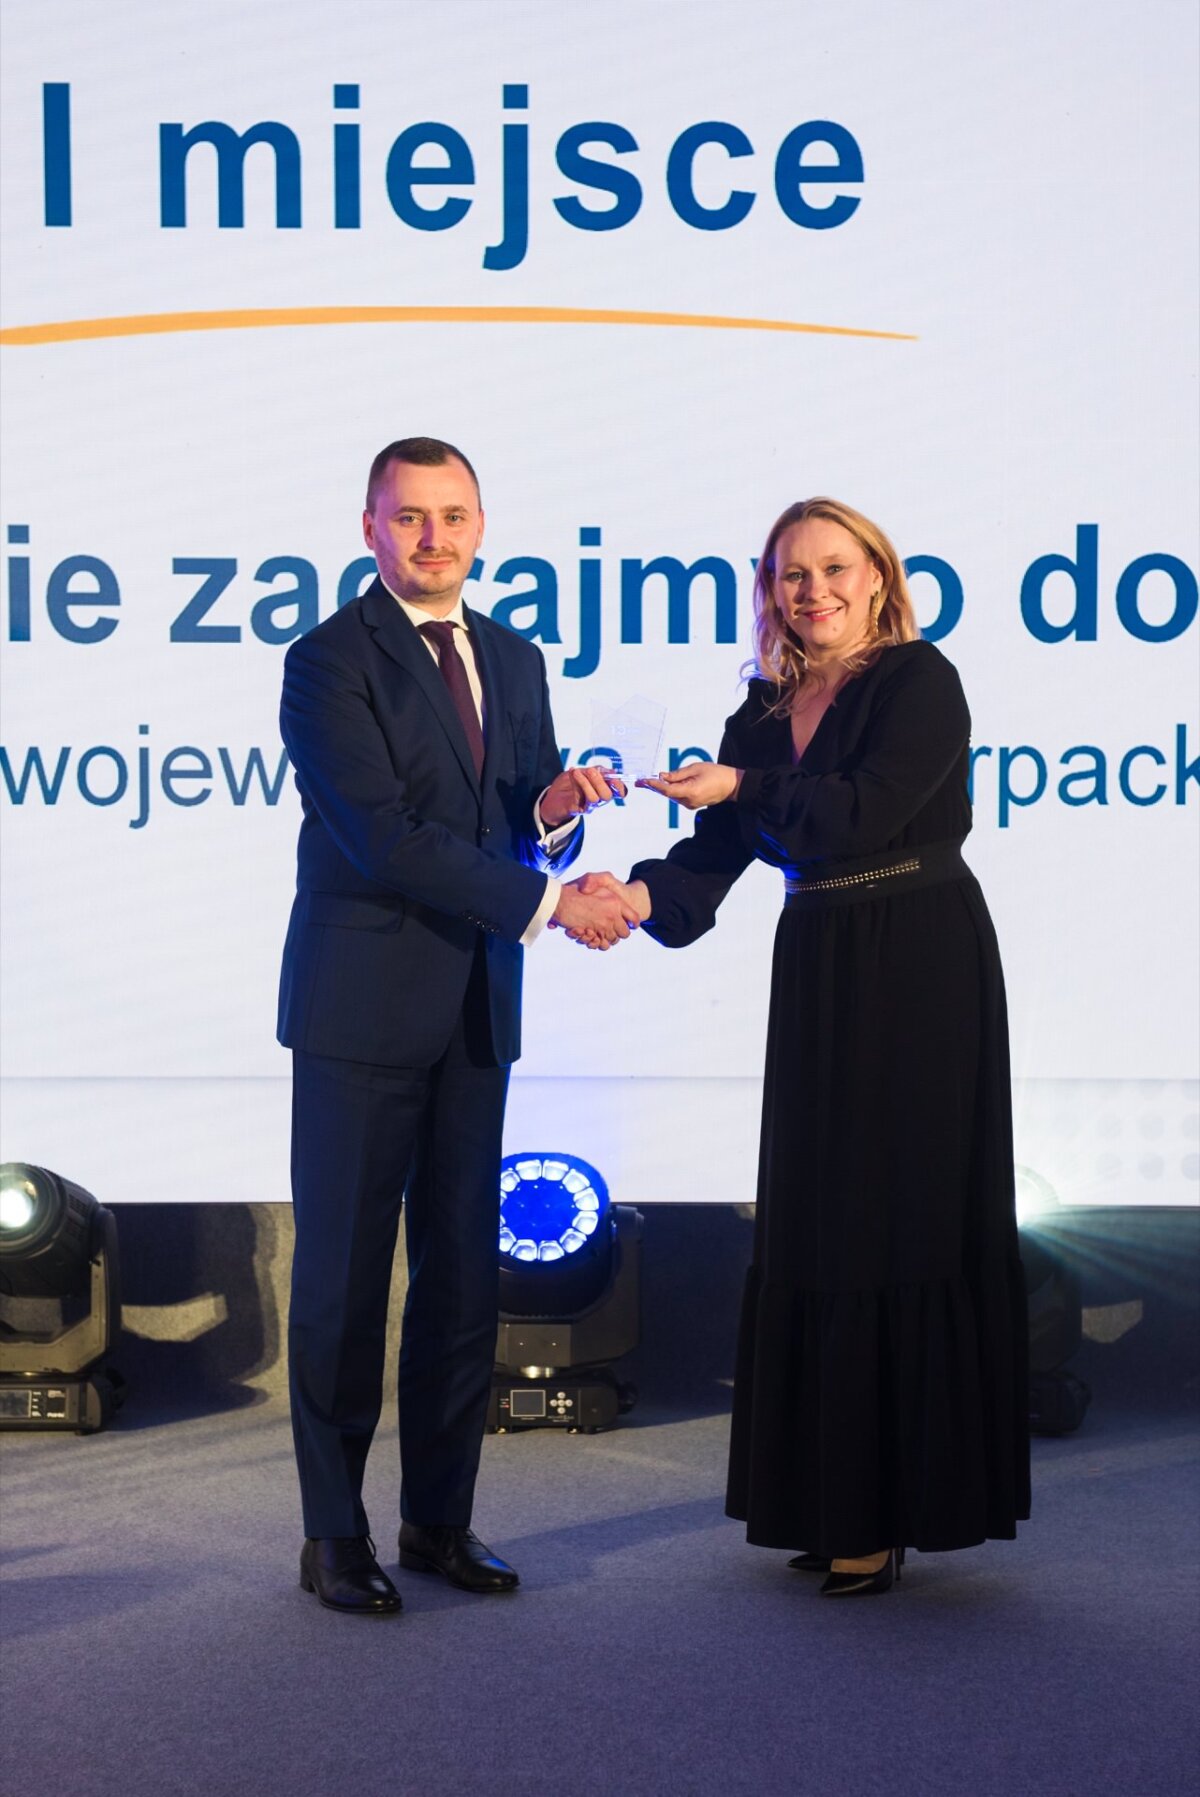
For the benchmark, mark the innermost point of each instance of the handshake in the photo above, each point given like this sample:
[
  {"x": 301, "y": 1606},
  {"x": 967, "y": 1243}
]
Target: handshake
[{"x": 598, "y": 909}]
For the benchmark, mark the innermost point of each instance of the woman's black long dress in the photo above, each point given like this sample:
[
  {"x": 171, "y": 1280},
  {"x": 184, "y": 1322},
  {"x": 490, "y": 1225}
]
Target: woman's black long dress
[{"x": 881, "y": 1396}]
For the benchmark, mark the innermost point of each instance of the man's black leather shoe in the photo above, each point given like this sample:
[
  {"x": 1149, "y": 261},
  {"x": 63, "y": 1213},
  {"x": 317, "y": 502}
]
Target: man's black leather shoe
[
  {"x": 344, "y": 1573},
  {"x": 457, "y": 1554}
]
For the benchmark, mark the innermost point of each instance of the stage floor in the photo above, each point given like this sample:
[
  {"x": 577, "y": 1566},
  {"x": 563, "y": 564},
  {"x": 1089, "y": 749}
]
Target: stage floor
[{"x": 155, "y": 1639}]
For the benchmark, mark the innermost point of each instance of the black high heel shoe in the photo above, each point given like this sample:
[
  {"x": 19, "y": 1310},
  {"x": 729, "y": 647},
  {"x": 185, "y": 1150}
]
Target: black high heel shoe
[
  {"x": 866, "y": 1584},
  {"x": 809, "y": 1563}
]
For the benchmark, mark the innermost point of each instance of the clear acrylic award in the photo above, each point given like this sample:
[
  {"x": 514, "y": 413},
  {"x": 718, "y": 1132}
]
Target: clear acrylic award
[{"x": 629, "y": 737}]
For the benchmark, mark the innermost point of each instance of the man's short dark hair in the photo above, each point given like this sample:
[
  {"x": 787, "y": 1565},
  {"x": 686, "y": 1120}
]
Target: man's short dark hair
[{"x": 423, "y": 452}]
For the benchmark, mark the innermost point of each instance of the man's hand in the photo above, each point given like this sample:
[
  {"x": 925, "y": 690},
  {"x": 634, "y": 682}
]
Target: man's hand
[
  {"x": 701, "y": 783},
  {"x": 634, "y": 897},
  {"x": 577, "y": 790},
  {"x": 597, "y": 917}
]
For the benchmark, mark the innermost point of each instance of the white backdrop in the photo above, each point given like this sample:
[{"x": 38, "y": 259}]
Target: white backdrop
[{"x": 1023, "y": 236}]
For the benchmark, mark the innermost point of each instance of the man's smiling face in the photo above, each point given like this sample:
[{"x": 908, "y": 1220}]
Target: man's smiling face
[{"x": 423, "y": 529}]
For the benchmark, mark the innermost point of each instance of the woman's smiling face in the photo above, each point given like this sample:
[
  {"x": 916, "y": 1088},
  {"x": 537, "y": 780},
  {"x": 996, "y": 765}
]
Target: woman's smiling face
[{"x": 824, "y": 584}]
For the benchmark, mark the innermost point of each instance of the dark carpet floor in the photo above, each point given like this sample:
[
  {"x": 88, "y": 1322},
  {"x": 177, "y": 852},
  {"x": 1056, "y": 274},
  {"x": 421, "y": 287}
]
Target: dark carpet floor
[{"x": 155, "y": 1639}]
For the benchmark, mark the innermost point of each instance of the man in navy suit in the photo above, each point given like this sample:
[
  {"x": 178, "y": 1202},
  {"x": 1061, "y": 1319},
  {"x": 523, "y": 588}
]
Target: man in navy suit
[{"x": 435, "y": 813}]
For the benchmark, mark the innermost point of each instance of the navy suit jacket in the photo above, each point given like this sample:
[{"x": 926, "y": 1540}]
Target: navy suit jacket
[{"x": 405, "y": 856}]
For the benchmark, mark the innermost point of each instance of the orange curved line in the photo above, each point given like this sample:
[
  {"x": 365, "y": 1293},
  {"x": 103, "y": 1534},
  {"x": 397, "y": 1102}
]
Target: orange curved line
[{"x": 152, "y": 324}]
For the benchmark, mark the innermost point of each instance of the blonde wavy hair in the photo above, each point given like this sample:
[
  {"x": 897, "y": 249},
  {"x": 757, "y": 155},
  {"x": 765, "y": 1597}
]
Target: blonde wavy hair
[{"x": 778, "y": 653}]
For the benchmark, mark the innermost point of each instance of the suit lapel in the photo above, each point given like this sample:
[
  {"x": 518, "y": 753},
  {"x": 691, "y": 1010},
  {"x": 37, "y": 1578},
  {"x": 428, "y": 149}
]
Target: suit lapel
[{"x": 398, "y": 639}]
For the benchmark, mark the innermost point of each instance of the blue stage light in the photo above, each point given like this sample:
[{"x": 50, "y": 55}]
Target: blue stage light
[
  {"x": 569, "y": 1284},
  {"x": 550, "y": 1206}
]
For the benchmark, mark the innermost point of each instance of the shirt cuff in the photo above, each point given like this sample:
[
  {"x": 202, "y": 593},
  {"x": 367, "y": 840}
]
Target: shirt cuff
[
  {"x": 544, "y": 912},
  {"x": 551, "y": 840}
]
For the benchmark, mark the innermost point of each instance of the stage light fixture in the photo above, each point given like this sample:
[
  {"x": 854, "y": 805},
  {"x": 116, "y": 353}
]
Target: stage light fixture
[
  {"x": 1036, "y": 1197},
  {"x": 569, "y": 1296},
  {"x": 60, "y": 1308},
  {"x": 1058, "y": 1399}
]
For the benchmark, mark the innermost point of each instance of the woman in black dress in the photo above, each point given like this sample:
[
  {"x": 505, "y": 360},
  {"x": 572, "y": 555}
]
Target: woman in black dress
[{"x": 881, "y": 1395}]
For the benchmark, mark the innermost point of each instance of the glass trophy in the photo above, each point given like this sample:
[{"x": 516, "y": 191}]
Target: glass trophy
[{"x": 629, "y": 737}]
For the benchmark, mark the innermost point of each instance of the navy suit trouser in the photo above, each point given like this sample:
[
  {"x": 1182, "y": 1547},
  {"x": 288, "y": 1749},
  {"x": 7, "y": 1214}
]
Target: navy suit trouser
[{"x": 363, "y": 1138}]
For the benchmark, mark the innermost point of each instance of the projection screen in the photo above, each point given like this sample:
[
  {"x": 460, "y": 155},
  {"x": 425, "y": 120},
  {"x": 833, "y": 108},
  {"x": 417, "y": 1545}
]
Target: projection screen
[{"x": 659, "y": 270}]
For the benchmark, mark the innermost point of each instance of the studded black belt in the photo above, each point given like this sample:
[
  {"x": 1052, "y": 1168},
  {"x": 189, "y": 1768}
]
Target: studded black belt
[{"x": 877, "y": 877}]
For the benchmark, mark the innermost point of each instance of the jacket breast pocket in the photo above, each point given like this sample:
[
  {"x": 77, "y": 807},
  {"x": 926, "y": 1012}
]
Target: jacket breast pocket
[{"x": 350, "y": 912}]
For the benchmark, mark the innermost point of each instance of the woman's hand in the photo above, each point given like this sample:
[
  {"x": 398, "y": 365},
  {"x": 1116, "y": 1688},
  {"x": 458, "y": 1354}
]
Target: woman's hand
[
  {"x": 634, "y": 896},
  {"x": 701, "y": 783},
  {"x": 630, "y": 907}
]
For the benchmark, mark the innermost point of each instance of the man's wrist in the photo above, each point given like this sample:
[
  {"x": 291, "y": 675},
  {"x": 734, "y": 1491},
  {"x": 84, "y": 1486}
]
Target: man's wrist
[
  {"x": 544, "y": 912},
  {"x": 544, "y": 826}
]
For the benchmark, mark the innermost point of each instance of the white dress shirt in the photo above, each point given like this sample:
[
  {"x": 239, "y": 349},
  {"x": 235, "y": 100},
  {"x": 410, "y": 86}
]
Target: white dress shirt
[{"x": 550, "y": 839}]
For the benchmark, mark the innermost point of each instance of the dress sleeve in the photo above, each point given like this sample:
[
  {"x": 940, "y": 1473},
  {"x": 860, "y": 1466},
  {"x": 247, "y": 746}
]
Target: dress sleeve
[{"x": 689, "y": 883}]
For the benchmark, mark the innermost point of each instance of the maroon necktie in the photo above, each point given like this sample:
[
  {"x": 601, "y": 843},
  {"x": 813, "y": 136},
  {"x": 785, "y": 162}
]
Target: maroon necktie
[{"x": 453, "y": 672}]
